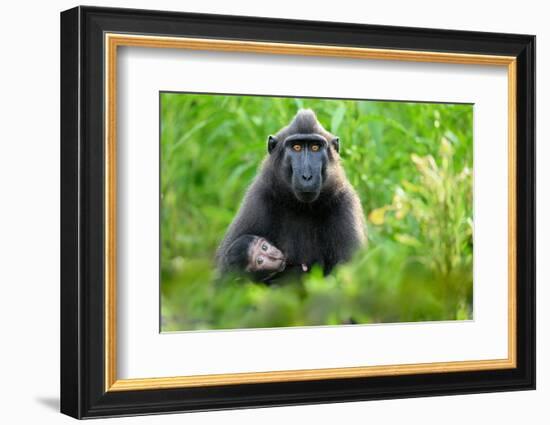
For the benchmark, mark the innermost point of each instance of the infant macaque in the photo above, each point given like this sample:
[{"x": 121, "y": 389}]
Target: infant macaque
[{"x": 257, "y": 256}]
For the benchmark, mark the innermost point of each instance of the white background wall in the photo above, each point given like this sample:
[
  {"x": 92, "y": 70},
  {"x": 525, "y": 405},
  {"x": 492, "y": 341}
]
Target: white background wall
[{"x": 29, "y": 210}]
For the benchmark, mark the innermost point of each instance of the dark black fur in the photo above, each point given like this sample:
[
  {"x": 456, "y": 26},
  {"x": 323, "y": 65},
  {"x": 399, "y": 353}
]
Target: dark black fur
[
  {"x": 237, "y": 254},
  {"x": 325, "y": 231}
]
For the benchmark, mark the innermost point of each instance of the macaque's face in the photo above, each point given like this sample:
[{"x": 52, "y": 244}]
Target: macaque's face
[{"x": 264, "y": 256}]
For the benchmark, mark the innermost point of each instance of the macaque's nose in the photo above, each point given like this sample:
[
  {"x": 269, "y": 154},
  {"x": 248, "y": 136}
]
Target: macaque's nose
[{"x": 307, "y": 176}]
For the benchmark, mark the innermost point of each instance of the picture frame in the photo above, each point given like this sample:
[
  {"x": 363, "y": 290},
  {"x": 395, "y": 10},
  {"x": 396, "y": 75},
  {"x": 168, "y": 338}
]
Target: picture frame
[{"x": 90, "y": 40}]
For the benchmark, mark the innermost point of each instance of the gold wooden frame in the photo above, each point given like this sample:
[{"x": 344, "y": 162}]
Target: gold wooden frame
[{"x": 113, "y": 41}]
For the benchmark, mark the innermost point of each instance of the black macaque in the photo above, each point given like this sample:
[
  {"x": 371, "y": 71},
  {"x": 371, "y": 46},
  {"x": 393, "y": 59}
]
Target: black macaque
[{"x": 300, "y": 201}]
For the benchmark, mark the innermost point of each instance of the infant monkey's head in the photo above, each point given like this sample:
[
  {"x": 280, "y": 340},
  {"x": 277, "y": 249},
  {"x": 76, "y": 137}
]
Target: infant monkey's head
[
  {"x": 257, "y": 256},
  {"x": 264, "y": 256}
]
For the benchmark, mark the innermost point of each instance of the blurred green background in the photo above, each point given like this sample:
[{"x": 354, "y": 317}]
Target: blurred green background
[{"x": 411, "y": 165}]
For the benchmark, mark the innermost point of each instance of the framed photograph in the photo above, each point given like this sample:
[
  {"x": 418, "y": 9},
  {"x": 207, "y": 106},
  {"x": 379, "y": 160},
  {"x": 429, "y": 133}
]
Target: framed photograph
[{"x": 261, "y": 212}]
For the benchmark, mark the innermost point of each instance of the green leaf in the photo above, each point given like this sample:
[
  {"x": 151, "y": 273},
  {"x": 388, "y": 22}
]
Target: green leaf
[
  {"x": 407, "y": 240},
  {"x": 377, "y": 216},
  {"x": 337, "y": 119}
]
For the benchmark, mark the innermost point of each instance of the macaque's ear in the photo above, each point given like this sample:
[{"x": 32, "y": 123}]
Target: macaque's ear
[
  {"x": 271, "y": 143},
  {"x": 336, "y": 144}
]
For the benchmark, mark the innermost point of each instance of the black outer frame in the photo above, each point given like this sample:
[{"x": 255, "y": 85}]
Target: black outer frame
[{"x": 82, "y": 217}]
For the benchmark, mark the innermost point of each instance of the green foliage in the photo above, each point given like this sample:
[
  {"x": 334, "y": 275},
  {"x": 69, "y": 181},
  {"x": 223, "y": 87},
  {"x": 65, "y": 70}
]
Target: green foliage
[{"x": 411, "y": 166}]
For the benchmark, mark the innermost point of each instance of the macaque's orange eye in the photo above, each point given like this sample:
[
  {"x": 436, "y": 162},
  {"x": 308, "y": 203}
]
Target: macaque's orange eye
[
  {"x": 315, "y": 148},
  {"x": 297, "y": 148},
  {"x": 264, "y": 247}
]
